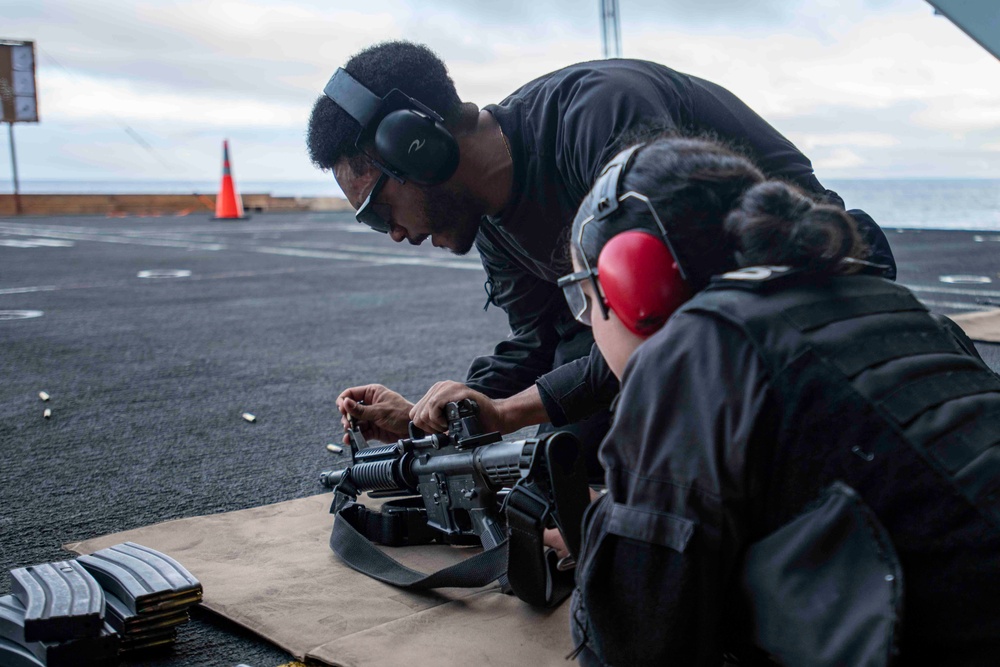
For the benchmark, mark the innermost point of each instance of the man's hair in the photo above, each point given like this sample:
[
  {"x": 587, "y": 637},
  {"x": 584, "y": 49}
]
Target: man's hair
[{"x": 412, "y": 68}]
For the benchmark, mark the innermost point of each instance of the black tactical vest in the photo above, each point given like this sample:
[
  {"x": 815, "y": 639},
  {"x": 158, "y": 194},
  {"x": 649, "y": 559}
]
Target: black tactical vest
[{"x": 871, "y": 390}]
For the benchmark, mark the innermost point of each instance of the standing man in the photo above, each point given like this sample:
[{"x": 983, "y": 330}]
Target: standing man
[{"x": 418, "y": 163}]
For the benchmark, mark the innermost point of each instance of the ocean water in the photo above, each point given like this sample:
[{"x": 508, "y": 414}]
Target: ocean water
[
  {"x": 925, "y": 204},
  {"x": 911, "y": 203}
]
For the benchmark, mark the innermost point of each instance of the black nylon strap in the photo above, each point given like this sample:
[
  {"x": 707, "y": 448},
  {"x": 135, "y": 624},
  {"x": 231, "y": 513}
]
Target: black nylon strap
[
  {"x": 555, "y": 488},
  {"x": 869, "y": 351},
  {"x": 816, "y": 315},
  {"x": 910, "y": 400},
  {"x": 960, "y": 447},
  {"x": 359, "y": 102},
  {"x": 363, "y": 556},
  {"x": 980, "y": 482},
  {"x": 568, "y": 489},
  {"x": 528, "y": 570}
]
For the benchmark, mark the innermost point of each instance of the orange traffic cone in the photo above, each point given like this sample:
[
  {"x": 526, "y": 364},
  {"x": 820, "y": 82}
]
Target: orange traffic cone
[{"x": 228, "y": 205}]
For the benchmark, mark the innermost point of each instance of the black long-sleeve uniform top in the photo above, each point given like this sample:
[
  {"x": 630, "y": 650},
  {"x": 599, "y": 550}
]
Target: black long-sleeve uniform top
[
  {"x": 700, "y": 463},
  {"x": 671, "y": 527},
  {"x": 561, "y": 129}
]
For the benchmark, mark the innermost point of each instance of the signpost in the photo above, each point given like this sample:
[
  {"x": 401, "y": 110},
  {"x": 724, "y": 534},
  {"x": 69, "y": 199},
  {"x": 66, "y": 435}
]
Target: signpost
[{"x": 18, "y": 95}]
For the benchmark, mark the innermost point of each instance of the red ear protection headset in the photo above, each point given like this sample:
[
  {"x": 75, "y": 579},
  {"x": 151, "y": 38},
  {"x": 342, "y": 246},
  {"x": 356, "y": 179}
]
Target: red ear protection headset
[
  {"x": 641, "y": 281},
  {"x": 637, "y": 273}
]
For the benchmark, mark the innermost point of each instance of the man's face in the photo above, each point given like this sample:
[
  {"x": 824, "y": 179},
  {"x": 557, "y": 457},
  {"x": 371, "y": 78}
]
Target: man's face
[{"x": 446, "y": 214}]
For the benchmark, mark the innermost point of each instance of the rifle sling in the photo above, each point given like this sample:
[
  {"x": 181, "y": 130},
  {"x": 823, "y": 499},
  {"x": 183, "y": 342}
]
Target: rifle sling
[
  {"x": 554, "y": 491},
  {"x": 531, "y": 568},
  {"x": 360, "y": 554}
]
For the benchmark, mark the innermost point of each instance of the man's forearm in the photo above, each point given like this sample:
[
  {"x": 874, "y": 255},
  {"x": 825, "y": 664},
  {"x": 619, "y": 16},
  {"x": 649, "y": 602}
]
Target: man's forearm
[
  {"x": 521, "y": 410},
  {"x": 578, "y": 389}
]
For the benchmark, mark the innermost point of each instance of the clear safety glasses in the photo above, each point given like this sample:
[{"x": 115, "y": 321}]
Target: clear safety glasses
[
  {"x": 579, "y": 302},
  {"x": 371, "y": 213},
  {"x": 572, "y": 284}
]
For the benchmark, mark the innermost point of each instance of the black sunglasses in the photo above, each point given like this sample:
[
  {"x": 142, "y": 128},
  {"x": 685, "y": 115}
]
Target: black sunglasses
[{"x": 368, "y": 214}]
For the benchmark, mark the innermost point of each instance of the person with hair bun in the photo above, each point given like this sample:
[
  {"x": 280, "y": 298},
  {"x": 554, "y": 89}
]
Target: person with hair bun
[
  {"x": 506, "y": 179},
  {"x": 804, "y": 464}
]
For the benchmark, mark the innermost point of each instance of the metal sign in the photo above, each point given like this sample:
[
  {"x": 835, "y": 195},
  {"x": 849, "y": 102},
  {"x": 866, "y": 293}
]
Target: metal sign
[{"x": 18, "y": 96}]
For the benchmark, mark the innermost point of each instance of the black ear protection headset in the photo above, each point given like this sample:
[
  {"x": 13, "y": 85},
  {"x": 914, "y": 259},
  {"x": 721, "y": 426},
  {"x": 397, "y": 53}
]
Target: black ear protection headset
[{"x": 409, "y": 139}]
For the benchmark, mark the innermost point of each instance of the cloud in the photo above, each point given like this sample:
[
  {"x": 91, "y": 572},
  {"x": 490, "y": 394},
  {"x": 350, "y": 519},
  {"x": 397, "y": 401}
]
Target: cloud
[
  {"x": 75, "y": 98},
  {"x": 838, "y": 158},
  {"x": 735, "y": 15},
  {"x": 866, "y": 139},
  {"x": 960, "y": 115},
  {"x": 864, "y": 86},
  {"x": 873, "y": 61},
  {"x": 273, "y": 50}
]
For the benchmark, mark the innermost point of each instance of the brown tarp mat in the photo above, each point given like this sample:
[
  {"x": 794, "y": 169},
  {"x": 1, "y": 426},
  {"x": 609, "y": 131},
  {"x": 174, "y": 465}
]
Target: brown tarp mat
[
  {"x": 982, "y": 325},
  {"x": 270, "y": 569}
]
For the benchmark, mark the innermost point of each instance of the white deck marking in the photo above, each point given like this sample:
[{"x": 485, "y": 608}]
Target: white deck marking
[
  {"x": 130, "y": 238},
  {"x": 193, "y": 278},
  {"x": 36, "y": 243},
  {"x": 346, "y": 252},
  {"x": 373, "y": 258},
  {"x": 27, "y": 290},
  {"x": 19, "y": 314},
  {"x": 957, "y": 305},
  {"x": 965, "y": 280},
  {"x": 164, "y": 273},
  {"x": 953, "y": 290}
]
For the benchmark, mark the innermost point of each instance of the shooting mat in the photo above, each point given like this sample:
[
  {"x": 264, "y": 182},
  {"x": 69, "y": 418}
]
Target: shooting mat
[{"x": 270, "y": 569}]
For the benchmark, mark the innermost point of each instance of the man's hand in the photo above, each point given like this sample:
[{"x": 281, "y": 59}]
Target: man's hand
[
  {"x": 384, "y": 416},
  {"x": 428, "y": 413},
  {"x": 552, "y": 538}
]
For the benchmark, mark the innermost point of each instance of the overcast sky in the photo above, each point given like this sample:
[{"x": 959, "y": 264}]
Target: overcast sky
[{"x": 866, "y": 88}]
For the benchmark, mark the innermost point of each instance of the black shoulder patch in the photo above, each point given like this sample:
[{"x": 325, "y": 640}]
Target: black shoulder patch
[{"x": 754, "y": 277}]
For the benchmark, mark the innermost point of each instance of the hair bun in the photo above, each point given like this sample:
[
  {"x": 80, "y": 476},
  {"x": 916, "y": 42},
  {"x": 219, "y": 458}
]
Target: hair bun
[{"x": 775, "y": 224}]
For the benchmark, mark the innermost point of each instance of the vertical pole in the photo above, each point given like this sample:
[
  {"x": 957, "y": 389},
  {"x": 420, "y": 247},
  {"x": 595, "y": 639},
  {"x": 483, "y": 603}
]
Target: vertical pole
[
  {"x": 13, "y": 164},
  {"x": 611, "y": 34}
]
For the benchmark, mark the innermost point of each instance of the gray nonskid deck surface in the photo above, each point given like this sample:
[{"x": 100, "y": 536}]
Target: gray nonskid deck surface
[
  {"x": 149, "y": 377},
  {"x": 941, "y": 267}
]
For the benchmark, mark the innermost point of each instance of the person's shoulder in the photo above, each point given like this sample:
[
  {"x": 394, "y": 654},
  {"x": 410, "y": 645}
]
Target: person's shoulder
[
  {"x": 735, "y": 292},
  {"x": 687, "y": 333},
  {"x": 619, "y": 72}
]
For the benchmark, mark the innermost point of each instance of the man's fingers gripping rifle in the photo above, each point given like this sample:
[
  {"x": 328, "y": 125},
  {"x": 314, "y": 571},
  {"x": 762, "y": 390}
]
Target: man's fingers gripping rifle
[
  {"x": 454, "y": 483},
  {"x": 456, "y": 475}
]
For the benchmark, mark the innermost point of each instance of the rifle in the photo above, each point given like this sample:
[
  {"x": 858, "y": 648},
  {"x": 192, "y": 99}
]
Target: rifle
[{"x": 454, "y": 487}]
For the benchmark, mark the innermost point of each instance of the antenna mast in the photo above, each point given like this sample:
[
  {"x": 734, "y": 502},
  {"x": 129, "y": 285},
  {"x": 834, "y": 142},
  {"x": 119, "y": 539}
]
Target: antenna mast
[{"x": 611, "y": 30}]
